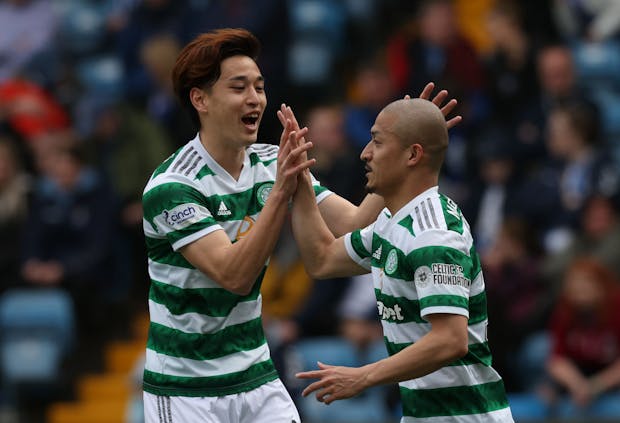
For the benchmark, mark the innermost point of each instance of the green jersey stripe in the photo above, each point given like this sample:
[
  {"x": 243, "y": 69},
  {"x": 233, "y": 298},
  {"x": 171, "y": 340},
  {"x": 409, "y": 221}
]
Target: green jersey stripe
[
  {"x": 452, "y": 214},
  {"x": 216, "y": 302},
  {"x": 204, "y": 171},
  {"x": 411, "y": 308},
  {"x": 196, "y": 346},
  {"x": 226, "y": 384},
  {"x": 358, "y": 245},
  {"x": 167, "y": 196},
  {"x": 453, "y": 401},
  {"x": 160, "y": 251}
]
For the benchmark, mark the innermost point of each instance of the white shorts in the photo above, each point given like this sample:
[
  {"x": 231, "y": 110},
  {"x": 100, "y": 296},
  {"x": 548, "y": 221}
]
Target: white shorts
[{"x": 269, "y": 403}]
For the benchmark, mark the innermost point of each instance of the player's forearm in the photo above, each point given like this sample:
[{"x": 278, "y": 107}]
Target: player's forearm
[
  {"x": 310, "y": 230},
  {"x": 244, "y": 260},
  {"x": 430, "y": 353},
  {"x": 342, "y": 216}
]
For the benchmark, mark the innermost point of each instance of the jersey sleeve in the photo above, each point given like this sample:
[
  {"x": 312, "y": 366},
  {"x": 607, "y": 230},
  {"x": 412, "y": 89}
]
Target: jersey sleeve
[
  {"x": 320, "y": 192},
  {"x": 177, "y": 211},
  {"x": 443, "y": 274},
  {"x": 359, "y": 245}
]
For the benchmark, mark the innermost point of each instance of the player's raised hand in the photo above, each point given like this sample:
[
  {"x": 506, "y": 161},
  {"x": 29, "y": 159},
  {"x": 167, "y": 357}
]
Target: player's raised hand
[
  {"x": 292, "y": 159},
  {"x": 438, "y": 100}
]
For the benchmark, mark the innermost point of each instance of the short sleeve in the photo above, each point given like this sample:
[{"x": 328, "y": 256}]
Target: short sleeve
[
  {"x": 320, "y": 192},
  {"x": 359, "y": 244},
  {"x": 443, "y": 278},
  {"x": 178, "y": 212}
]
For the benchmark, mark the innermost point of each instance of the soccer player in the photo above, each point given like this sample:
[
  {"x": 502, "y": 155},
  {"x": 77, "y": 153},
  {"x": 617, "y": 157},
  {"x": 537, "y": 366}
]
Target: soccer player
[
  {"x": 212, "y": 214},
  {"x": 427, "y": 278}
]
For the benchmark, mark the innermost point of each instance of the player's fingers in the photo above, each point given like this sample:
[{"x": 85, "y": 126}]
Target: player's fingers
[
  {"x": 299, "y": 168},
  {"x": 407, "y": 97},
  {"x": 311, "y": 388},
  {"x": 454, "y": 121},
  {"x": 440, "y": 98},
  {"x": 286, "y": 132},
  {"x": 281, "y": 118},
  {"x": 450, "y": 105},
  {"x": 292, "y": 117},
  {"x": 426, "y": 92}
]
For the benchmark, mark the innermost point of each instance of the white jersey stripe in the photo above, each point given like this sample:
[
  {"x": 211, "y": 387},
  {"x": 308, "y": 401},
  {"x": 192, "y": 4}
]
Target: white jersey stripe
[
  {"x": 179, "y": 276},
  {"x": 187, "y": 367},
  {"x": 193, "y": 237},
  {"x": 452, "y": 376},
  {"x": 199, "y": 323},
  {"x": 401, "y": 333}
]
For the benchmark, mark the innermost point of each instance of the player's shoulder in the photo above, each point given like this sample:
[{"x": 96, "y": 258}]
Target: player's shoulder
[{"x": 180, "y": 167}]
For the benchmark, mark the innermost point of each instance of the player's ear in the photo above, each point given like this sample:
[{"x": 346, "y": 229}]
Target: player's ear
[
  {"x": 415, "y": 151},
  {"x": 199, "y": 99}
]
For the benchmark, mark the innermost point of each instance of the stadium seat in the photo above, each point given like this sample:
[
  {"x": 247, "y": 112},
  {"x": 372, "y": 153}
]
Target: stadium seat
[
  {"x": 367, "y": 407},
  {"x": 36, "y": 332},
  {"x": 598, "y": 64}
]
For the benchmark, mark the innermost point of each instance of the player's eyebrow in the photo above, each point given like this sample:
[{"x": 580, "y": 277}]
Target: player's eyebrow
[{"x": 244, "y": 78}]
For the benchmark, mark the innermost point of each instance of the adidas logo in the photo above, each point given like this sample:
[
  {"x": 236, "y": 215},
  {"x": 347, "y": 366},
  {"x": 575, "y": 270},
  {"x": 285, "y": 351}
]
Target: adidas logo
[
  {"x": 377, "y": 253},
  {"x": 223, "y": 210}
]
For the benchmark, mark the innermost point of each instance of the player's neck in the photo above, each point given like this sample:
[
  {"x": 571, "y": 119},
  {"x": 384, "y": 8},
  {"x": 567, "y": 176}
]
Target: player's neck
[
  {"x": 227, "y": 155},
  {"x": 406, "y": 192}
]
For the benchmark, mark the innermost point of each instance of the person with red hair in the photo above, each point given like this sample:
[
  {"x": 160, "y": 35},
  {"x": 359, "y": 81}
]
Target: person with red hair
[{"x": 585, "y": 340}]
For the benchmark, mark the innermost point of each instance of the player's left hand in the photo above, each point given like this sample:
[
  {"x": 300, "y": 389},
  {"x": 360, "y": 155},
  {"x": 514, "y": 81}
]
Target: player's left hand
[
  {"x": 335, "y": 382},
  {"x": 438, "y": 100}
]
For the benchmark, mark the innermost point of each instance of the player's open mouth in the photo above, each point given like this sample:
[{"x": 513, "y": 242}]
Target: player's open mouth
[{"x": 250, "y": 120}]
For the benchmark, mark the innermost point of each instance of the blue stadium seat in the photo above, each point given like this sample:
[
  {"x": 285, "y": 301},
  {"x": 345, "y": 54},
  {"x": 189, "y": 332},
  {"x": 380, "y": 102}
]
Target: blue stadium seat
[
  {"x": 37, "y": 330},
  {"x": 598, "y": 64},
  {"x": 368, "y": 407}
]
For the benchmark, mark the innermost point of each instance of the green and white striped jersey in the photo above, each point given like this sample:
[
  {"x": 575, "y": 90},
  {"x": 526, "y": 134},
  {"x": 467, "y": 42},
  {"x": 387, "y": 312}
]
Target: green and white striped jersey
[
  {"x": 423, "y": 261},
  {"x": 204, "y": 340}
]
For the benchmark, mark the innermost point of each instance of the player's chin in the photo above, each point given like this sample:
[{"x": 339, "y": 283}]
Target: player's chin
[{"x": 369, "y": 189}]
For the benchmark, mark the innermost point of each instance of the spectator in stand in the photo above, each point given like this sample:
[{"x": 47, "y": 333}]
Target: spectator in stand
[
  {"x": 15, "y": 187},
  {"x": 337, "y": 165},
  {"x": 69, "y": 235},
  {"x": 372, "y": 88},
  {"x": 432, "y": 48},
  {"x": 496, "y": 190},
  {"x": 125, "y": 147},
  {"x": 516, "y": 295},
  {"x": 28, "y": 30},
  {"x": 585, "y": 336},
  {"x": 558, "y": 84},
  {"x": 569, "y": 177},
  {"x": 158, "y": 54},
  {"x": 28, "y": 110},
  {"x": 598, "y": 237},
  {"x": 509, "y": 65}
]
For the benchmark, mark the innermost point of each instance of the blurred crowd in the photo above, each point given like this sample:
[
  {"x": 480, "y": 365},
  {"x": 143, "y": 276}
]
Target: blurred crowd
[{"x": 87, "y": 112}]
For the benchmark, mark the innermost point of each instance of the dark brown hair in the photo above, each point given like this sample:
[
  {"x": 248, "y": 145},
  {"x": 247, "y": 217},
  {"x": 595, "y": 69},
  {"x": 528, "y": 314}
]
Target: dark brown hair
[{"x": 198, "y": 64}]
